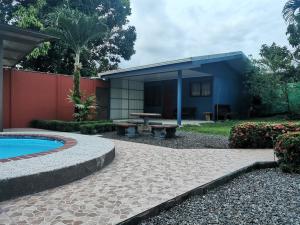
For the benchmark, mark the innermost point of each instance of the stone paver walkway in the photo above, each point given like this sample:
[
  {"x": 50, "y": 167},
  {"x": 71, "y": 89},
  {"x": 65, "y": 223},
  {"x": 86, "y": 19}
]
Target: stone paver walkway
[{"x": 140, "y": 177}]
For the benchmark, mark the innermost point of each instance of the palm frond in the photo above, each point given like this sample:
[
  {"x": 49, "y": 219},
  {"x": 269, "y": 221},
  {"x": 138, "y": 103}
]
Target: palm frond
[
  {"x": 75, "y": 28},
  {"x": 290, "y": 10},
  {"x": 85, "y": 106}
]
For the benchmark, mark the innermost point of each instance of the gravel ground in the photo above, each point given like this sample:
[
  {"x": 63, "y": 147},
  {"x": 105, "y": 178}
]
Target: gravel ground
[
  {"x": 183, "y": 140},
  {"x": 262, "y": 197}
]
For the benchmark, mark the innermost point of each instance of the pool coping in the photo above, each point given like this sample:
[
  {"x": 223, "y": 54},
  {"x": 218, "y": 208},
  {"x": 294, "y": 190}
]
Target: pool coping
[
  {"x": 68, "y": 143},
  {"x": 32, "y": 175},
  {"x": 201, "y": 190}
]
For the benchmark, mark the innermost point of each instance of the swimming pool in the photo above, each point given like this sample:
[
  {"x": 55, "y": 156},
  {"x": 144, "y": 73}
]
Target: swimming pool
[{"x": 14, "y": 146}]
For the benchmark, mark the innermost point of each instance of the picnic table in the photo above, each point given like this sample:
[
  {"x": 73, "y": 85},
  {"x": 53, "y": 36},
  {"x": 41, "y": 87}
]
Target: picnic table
[{"x": 146, "y": 117}]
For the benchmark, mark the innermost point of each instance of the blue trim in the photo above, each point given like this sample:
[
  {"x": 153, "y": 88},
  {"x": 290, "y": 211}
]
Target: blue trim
[
  {"x": 154, "y": 70},
  {"x": 190, "y": 63},
  {"x": 179, "y": 97}
]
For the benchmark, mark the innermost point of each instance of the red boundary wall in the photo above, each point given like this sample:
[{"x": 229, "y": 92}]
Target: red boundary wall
[{"x": 32, "y": 95}]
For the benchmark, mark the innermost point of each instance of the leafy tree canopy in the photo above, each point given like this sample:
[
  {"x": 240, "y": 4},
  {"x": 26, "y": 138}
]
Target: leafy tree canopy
[
  {"x": 76, "y": 30},
  {"x": 268, "y": 76},
  {"x": 293, "y": 33},
  {"x": 276, "y": 59},
  {"x": 103, "y": 53},
  {"x": 290, "y": 10}
]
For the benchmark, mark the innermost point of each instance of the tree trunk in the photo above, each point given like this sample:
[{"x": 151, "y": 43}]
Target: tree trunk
[
  {"x": 76, "y": 76},
  {"x": 76, "y": 81}
]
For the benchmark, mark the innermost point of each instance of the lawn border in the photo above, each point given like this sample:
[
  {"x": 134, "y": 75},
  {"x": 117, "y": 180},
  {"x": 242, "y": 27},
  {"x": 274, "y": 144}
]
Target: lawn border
[{"x": 201, "y": 190}]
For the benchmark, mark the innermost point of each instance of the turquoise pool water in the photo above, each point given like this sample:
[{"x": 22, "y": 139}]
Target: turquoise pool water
[{"x": 18, "y": 146}]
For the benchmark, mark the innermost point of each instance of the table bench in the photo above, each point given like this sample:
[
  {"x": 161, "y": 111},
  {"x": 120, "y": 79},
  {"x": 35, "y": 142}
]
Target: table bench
[
  {"x": 163, "y": 131},
  {"x": 146, "y": 116},
  {"x": 141, "y": 125},
  {"x": 127, "y": 129}
]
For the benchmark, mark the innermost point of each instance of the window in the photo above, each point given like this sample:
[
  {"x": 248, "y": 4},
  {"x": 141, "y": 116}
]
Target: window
[
  {"x": 205, "y": 88},
  {"x": 195, "y": 89},
  {"x": 153, "y": 96},
  {"x": 201, "y": 88}
]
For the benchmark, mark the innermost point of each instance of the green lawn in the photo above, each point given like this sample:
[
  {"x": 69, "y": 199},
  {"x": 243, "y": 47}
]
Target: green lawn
[{"x": 223, "y": 128}]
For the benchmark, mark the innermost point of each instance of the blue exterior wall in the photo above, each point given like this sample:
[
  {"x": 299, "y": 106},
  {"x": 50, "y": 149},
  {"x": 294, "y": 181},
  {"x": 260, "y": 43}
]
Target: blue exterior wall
[
  {"x": 203, "y": 104},
  {"x": 227, "y": 89}
]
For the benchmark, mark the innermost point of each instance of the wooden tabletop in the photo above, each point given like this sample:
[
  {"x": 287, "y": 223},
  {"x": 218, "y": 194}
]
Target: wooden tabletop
[{"x": 146, "y": 114}]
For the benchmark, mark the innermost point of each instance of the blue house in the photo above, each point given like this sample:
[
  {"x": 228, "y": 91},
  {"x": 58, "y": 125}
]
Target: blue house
[{"x": 190, "y": 88}]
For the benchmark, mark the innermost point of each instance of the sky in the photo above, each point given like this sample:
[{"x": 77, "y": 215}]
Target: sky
[{"x": 175, "y": 29}]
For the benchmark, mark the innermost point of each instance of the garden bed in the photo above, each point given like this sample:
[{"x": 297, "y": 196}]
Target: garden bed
[
  {"x": 183, "y": 140},
  {"x": 261, "y": 197}
]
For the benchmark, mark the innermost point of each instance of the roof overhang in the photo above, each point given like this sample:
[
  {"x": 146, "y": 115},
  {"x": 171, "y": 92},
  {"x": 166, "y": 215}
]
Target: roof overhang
[
  {"x": 17, "y": 43},
  {"x": 236, "y": 60}
]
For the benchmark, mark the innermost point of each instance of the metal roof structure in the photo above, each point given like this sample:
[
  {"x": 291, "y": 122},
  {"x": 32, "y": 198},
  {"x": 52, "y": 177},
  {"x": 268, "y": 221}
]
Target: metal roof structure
[
  {"x": 236, "y": 60},
  {"x": 17, "y": 43}
]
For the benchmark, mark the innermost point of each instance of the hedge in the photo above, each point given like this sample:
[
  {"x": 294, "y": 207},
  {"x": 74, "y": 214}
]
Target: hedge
[
  {"x": 97, "y": 128},
  {"x": 258, "y": 135},
  {"x": 287, "y": 150},
  {"x": 64, "y": 126}
]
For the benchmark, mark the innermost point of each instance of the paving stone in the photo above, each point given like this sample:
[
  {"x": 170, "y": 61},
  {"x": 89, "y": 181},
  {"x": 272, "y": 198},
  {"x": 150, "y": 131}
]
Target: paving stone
[{"x": 141, "y": 177}]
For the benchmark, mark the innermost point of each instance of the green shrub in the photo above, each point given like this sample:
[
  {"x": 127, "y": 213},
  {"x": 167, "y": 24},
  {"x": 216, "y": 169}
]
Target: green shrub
[
  {"x": 88, "y": 129},
  {"x": 64, "y": 126},
  {"x": 287, "y": 149},
  {"x": 258, "y": 135},
  {"x": 96, "y": 128}
]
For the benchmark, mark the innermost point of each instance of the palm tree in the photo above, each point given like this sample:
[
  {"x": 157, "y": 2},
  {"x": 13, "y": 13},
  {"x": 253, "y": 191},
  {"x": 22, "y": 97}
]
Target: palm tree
[
  {"x": 290, "y": 10},
  {"x": 76, "y": 30}
]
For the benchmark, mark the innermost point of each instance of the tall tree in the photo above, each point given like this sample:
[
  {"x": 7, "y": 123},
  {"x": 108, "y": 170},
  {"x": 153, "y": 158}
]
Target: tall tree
[
  {"x": 268, "y": 77},
  {"x": 27, "y": 17},
  {"x": 76, "y": 30},
  {"x": 290, "y": 10},
  {"x": 6, "y": 10},
  {"x": 276, "y": 60},
  {"x": 101, "y": 54},
  {"x": 293, "y": 33}
]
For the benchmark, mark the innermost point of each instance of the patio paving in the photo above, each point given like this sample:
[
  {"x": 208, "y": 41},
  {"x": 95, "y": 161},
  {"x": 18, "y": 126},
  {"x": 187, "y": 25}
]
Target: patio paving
[{"x": 141, "y": 177}]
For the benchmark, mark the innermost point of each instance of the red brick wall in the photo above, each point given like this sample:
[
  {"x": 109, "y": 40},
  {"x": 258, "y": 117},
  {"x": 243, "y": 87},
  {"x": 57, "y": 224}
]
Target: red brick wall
[{"x": 32, "y": 95}]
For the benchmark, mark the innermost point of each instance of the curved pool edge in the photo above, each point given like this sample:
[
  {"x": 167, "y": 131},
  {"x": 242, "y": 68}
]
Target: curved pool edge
[
  {"x": 68, "y": 143},
  {"x": 18, "y": 186}
]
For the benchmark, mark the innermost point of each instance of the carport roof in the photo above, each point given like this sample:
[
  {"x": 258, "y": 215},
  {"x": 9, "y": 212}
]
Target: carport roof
[
  {"x": 237, "y": 60},
  {"x": 17, "y": 43}
]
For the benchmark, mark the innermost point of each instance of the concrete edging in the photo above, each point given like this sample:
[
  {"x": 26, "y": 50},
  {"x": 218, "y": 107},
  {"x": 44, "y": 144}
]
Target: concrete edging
[
  {"x": 25, "y": 185},
  {"x": 201, "y": 190}
]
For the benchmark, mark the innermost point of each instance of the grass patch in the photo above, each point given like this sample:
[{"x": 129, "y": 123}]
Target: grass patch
[{"x": 223, "y": 128}]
